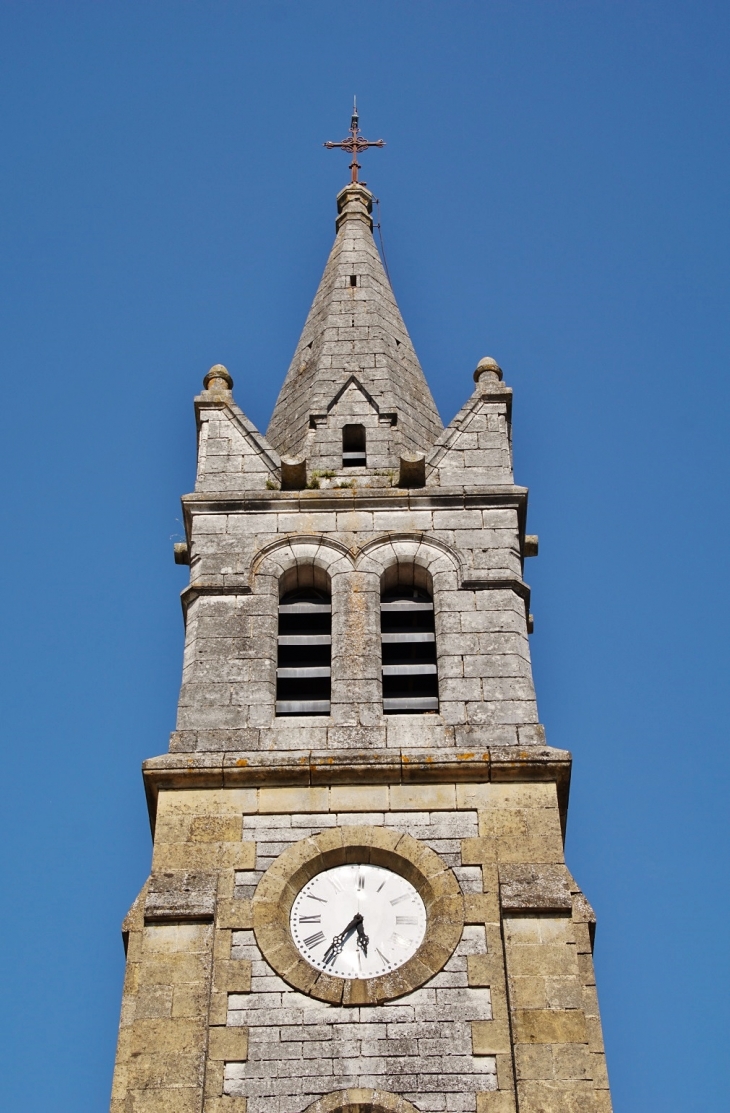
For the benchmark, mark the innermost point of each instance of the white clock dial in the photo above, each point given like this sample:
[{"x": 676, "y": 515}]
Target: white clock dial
[{"x": 358, "y": 921}]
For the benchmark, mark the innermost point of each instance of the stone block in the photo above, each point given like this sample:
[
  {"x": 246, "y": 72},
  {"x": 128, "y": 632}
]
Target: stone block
[
  {"x": 190, "y": 999},
  {"x": 496, "y": 1101},
  {"x": 175, "y": 970},
  {"x": 215, "y": 828},
  {"x": 222, "y": 944},
  {"x": 182, "y": 1034},
  {"x": 287, "y": 800},
  {"x": 555, "y": 1096},
  {"x": 598, "y": 1071},
  {"x": 541, "y": 961},
  {"x": 534, "y": 1061},
  {"x": 175, "y": 938},
  {"x": 423, "y": 797},
  {"x": 572, "y": 1061},
  {"x": 225, "y": 1104},
  {"x": 595, "y": 1035},
  {"x": 358, "y": 798},
  {"x": 535, "y": 887},
  {"x": 172, "y": 828},
  {"x": 529, "y": 992},
  {"x": 234, "y": 914},
  {"x": 564, "y": 993},
  {"x": 530, "y": 848},
  {"x": 503, "y": 824},
  {"x": 475, "y": 851},
  {"x": 233, "y": 976},
  {"x": 481, "y": 908},
  {"x": 490, "y": 1037},
  {"x": 176, "y": 1099},
  {"x": 155, "y": 1069},
  {"x": 484, "y": 969},
  {"x": 550, "y": 1026},
  {"x": 181, "y": 895},
  {"x": 214, "y": 1078},
  {"x": 218, "y": 1008},
  {"x": 153, "y": 1001},
  {"x": 228, "y": 1044}
]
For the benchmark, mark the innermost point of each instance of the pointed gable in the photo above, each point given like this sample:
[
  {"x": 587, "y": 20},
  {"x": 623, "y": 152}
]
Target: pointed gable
[
  {"x": 476, "y": 447},
  {"x": 232, "y": 455},
  {"x": 354, "y": 331}
]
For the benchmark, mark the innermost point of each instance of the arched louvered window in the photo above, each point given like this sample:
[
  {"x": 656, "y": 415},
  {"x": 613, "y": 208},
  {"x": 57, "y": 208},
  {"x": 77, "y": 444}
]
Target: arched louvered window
[
  {"x": 410, "y": 678},
  {"x": 304, "y": 653},
  {"x": 354, "y": 452}
]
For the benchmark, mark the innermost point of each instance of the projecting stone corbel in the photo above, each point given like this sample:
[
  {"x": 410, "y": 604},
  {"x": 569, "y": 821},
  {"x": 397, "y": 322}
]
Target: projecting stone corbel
[
  {"x": 182, "y": 552},
  {"x": 293, "y": 473},
  {"x": 531, "y": 544},
  {"x": 412, "y": 470}
]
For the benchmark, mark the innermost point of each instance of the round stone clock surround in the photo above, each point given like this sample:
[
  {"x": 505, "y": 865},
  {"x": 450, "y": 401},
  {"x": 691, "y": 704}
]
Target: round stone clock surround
[{"x": 400, "y": 853}]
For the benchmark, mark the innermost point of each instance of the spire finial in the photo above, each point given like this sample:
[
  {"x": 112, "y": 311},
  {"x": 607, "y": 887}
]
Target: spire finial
[{"x": 355, "y": 143}]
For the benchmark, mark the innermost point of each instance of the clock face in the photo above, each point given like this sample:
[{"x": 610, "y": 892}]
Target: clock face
[{"x": 358, "y": 921}]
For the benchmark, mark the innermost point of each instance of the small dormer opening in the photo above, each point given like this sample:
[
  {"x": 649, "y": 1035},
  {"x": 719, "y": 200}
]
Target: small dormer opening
[
  {"x": 353, "y": 446},
  {"x": 353, "y": 280}
]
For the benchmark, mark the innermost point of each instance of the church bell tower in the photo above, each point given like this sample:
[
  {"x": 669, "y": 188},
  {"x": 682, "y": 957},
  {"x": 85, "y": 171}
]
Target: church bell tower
[{"x": 358, "y": 900}]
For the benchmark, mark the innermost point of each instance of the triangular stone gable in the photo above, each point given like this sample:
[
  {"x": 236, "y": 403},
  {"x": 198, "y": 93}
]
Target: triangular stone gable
[
  {"x": 357, "y": 387},
  {"x": 351, "y": 405},
  {"x": 232, "y": 454},
  {"x": 475, "y": 448}
]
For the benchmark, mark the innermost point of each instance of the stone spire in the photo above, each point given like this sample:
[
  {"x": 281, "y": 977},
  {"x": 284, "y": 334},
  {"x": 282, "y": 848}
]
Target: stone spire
[{"x": 354, "y": 344}]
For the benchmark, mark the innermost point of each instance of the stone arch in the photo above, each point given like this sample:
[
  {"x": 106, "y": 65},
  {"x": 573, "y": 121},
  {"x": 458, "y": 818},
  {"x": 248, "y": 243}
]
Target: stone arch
[
  {"x": 299, "y": 560},
  {"x": 361, "y": 1101},
  {"x": 410, "y": 558}
]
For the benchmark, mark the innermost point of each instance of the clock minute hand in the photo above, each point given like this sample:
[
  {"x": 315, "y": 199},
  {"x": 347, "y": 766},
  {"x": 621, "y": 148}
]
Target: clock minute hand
[{"x": 338, "y": 941}]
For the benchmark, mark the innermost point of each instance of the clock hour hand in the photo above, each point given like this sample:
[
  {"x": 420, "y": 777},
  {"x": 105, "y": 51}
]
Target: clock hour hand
[
  {"x": 338, "y": 941},
  {"x": 362, "y": 939}
]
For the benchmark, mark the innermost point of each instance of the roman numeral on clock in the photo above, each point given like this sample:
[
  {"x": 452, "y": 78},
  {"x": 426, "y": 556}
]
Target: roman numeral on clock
[
  {"x": 316, "y": 919},
  {"x": 406, "y": 920},
  {"x": 313, "y": 940},
  {"x": 402, "y": 897}
]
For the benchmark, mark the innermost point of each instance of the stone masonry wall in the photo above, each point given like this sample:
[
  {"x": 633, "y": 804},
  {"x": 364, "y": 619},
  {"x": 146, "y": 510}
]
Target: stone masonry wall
[
  {"x": 229, "y": 676},
  {"x": 209, "y": 1027}
]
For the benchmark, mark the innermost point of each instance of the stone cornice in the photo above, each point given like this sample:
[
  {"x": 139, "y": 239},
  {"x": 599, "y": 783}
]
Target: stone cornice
[
  {"x": 254, "y": 769},
  {"x": 506, "y": 496},
  {"x": 363, "y": 498}
]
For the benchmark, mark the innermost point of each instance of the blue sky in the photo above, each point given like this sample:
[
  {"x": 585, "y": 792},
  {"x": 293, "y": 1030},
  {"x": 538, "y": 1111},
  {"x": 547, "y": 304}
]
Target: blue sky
[{"x": 554, "y": 193}]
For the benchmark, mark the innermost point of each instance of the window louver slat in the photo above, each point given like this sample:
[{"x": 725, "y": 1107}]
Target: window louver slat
[
  {"x": 303, "y": 673},
  {"x": 409, "y": 670}
]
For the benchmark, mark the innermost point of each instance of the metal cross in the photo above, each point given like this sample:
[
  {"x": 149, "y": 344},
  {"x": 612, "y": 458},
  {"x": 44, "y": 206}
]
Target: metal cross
[{"x": 355, "y": 143}]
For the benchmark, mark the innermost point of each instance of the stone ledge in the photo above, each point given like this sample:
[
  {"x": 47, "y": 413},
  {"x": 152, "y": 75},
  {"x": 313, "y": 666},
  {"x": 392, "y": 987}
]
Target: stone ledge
[
  {"x": 176, "y": 895},
  {"x": 337, "y": 498},
  {"x": 309, "y": 768},
  {"x": 536, "y": 887}
]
